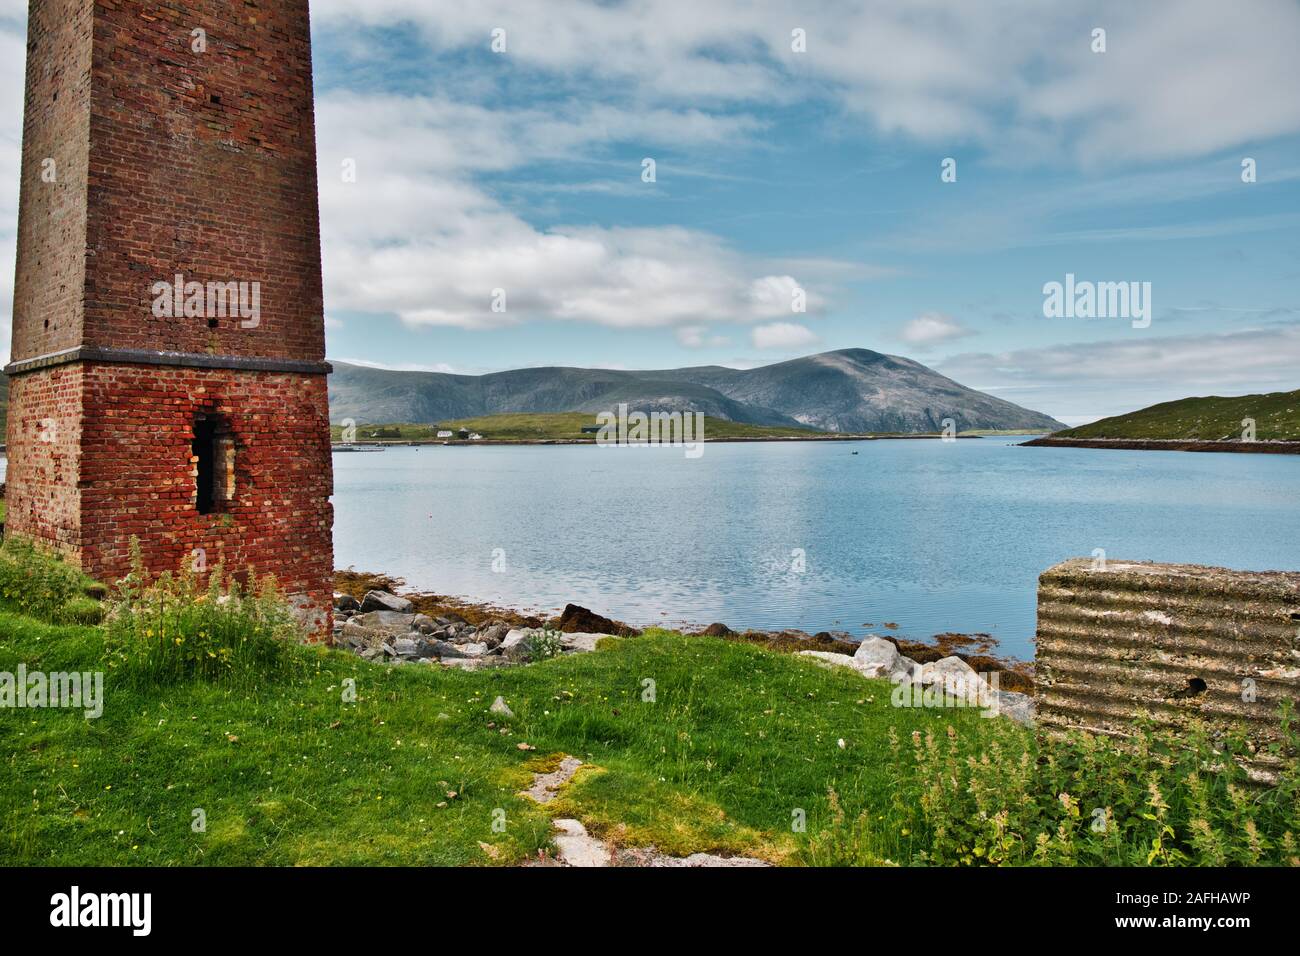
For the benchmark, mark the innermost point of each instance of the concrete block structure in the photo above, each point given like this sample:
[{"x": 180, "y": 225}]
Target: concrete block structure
[{"x": 1175, "y": 642}]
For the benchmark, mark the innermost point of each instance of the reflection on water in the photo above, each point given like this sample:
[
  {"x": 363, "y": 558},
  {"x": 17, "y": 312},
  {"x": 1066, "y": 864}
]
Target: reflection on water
[{"x": 929, "y": 535}]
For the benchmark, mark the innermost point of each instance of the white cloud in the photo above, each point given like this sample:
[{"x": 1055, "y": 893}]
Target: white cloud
[
  {"x": 1088, "y": 380},
  {"x": 417, "y": 236},
  {"x": 783, "y": 335},
  {"x": 442, "y": 367},
  {"x": 1016, "y": 77},
  {"x": 1229, "y": 358},
  {"x": 932, "y": 328},
  {"x": 698, "y": 337}
]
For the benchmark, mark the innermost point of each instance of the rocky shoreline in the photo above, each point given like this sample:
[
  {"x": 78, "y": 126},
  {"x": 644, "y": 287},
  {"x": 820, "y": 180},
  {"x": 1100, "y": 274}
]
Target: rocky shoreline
[
  {"x": 933, "y": 684},
  {"x": 386, "y": 627},
  {"x": 1170, "y": 444}
]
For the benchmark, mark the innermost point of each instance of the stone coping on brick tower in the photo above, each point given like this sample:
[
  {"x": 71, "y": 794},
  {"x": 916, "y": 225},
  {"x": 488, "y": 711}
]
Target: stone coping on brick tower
[{"x": 175, "y": 359}]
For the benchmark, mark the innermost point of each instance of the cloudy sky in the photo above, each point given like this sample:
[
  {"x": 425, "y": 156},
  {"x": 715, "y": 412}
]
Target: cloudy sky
[{"x": 782, "y": 174}]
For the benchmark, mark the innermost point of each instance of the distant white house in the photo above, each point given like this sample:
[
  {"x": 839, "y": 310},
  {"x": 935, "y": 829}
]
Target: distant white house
[
  {"x": 475, "y": 436},
  {"x": 444, "y": 434}
]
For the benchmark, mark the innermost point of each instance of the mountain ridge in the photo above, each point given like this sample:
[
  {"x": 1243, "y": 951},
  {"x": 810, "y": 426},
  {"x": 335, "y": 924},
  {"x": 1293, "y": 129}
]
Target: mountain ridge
[{"x": 847, "y": 390}]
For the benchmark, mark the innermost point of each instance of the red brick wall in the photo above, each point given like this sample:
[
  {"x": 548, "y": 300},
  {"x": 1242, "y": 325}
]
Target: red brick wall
[
  {"x": 87, "y": 484},
  {"x": 48, "y": 291},
  {"x": 204, "y": 164},
  {"x": 137, "y": 477},
  {"x": 170, "y": 160},
  {"x": 44, "y": 449}
]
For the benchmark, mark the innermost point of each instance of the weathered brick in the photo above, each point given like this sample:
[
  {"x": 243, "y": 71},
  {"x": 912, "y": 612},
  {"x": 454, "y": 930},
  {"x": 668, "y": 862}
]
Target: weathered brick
[{"x": 166, "y": 161}]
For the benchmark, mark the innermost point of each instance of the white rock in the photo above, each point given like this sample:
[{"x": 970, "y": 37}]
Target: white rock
[
  {"x": 359, "y": 632},
  {"x": 905, "y": 670},
  {"x": 877, "y": 651},
  {"x": 575, "y": 847},
  {"x": 878, "y": 657},
  {"x": 1017, "y": 707},
  {"x": 515, "y": 643},
  {"x": 696, "y": 860},
  {"x": 582, "y": 642},
  {"x": 957, "y": 678},
  {"x": 499, "y": 706},
  {"x": 830, "y": 658},
  {"x": 383, "y": 601},
  {"x": 467, "y": 663},
  {"x": 902, "y": 667},
  {"x": 473, "y": 650}
]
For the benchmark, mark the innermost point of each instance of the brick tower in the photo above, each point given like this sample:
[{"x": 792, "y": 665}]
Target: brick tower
[{"x": 168, "y": 375}]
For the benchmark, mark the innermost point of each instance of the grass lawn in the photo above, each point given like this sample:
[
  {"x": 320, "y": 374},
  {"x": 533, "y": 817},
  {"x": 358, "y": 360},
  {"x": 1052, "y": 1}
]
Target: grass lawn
[
  {"x": 737, "y": 740},
  {"x": 288, "y": 754}
]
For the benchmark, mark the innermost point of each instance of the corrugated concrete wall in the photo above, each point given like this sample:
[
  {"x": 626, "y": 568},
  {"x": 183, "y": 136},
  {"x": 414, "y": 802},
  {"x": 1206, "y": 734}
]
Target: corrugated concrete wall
[{"x": 1117, "y": 639}]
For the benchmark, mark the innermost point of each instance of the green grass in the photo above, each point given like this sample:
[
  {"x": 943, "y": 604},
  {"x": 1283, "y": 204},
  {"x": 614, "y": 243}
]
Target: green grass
[
  {"x": 40, "y": 584},
  {"x": 301, "y": 755},
  {"x": 551, "y": 427},
  {"x": 1276, "y": 416},
  {"x": 998, "y": 432},
  {"x": 405, "y": 432},
  {"x": 287, "y": 772}
]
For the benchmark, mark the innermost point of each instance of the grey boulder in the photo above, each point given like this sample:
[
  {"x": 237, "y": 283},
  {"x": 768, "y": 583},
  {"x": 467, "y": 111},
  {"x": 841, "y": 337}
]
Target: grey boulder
[
  {"x": 383, "y": 601},
  {"x": 957, "y": 678},
  {"x": 515, "y": 644},
  {"x": 390, "y": 622},
  {"x": 877, "y": 657},
  {"x": 1017, "y": 707}
]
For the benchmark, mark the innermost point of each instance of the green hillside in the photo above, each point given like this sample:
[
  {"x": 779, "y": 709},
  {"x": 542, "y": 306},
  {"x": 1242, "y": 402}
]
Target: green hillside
[
  {"x": 554, "y": 426},
  {"x": 1211, "y": 418}
]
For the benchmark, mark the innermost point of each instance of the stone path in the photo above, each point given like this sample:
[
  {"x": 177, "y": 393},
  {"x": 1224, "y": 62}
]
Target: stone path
[
  {"x": 547, "y": 785},
  {"x": 574, "y": 846}
]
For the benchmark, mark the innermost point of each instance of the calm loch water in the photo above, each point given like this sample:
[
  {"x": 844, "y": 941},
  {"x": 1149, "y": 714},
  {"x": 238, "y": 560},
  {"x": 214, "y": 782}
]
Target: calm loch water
[{"x": 929, "y": 535}]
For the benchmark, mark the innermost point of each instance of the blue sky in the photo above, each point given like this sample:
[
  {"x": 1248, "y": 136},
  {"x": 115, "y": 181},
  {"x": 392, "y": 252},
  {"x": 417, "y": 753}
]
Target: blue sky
[{"x": 818, "y": 170}]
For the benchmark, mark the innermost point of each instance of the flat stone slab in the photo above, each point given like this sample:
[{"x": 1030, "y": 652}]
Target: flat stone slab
[
  {"x": 547, "y": 785},
  {"x": 583, "y": 643},
  {"x": 470, "y": 663},
  {"x": 649, "y": 856},
  {"x": 575, "y": 847}
]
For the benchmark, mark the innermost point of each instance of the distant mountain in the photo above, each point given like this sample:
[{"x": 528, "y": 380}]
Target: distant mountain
[
  {"x": 850, "y": 390},
  {"x": 1276, "y": 416}
]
